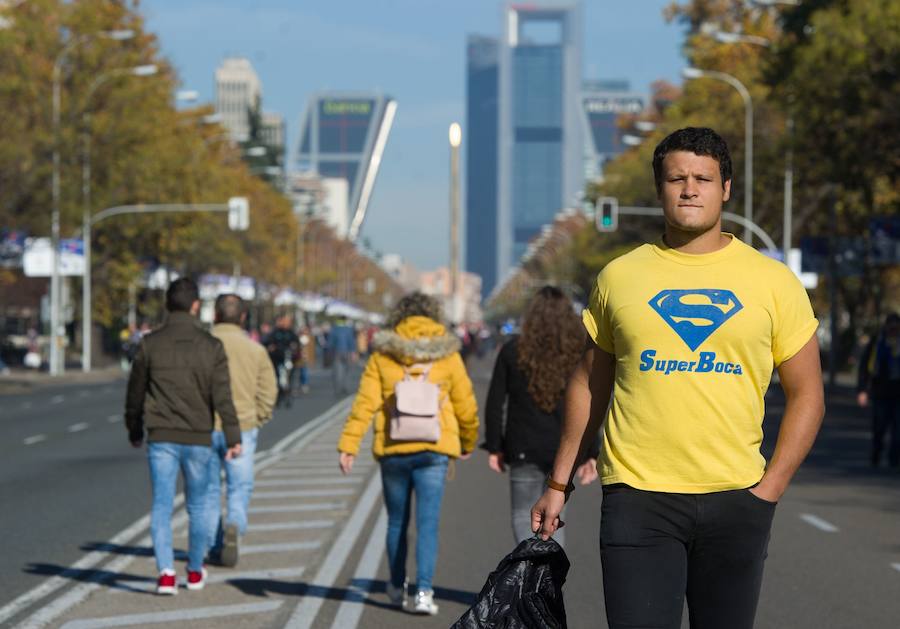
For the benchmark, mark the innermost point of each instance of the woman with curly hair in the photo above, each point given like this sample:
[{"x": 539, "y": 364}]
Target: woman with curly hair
[
  {"x": 530, "y": 378},
  {"x": 415, "y": 346}
]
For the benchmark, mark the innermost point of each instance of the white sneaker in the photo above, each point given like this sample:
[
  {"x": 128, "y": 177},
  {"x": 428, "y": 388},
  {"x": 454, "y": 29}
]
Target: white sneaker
[
  {"x": 397, "y": 595},
  {"x": 425, "y": 603}
]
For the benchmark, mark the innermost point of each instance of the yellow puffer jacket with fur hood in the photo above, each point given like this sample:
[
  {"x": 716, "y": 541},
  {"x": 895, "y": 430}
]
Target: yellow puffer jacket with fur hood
[{"x": 415, "y": 340}]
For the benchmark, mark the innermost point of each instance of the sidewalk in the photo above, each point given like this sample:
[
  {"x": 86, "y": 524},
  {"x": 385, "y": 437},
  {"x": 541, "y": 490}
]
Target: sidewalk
[{"x": 22, "y": 381}]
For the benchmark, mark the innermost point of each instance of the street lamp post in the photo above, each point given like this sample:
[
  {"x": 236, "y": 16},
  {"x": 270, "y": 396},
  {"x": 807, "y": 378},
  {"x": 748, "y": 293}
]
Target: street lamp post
[
  {"x": 696, "y": 73},
  {"x": 56, "y": 364},
  {"x": 455, "y": 140},
  {"x": 86, "y": 314}
]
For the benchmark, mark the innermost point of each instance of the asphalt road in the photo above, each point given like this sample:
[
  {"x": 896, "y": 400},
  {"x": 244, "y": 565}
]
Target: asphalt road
[
  {"x": 834, "y": 557},
  {"x": 69, "y": 479}
]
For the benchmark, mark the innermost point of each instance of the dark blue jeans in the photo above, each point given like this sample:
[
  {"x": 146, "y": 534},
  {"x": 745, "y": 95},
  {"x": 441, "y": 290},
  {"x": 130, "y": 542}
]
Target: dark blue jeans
[{"x": 423, "y": 473}]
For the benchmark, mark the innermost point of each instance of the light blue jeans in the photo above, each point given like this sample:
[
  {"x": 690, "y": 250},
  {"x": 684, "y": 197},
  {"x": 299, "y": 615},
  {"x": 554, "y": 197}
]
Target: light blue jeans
[
  {"x": 526, "y": 486},
  {"x": 423, "y": 473},
  {"x": 166, "y": 459},
  {"x": 238, "y": 482}
]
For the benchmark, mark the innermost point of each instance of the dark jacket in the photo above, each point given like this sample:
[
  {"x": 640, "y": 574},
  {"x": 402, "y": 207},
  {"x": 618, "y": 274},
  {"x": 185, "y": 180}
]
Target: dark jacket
[
  {"x": 530, "y": 434},
  {"x": 879, "y": 369},
  {"x": 524, "y": 592},
  {"x": 179, "y": 378}
]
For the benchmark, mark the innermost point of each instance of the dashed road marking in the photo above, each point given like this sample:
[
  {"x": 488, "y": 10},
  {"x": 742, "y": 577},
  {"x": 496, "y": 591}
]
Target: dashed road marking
[
  {"x": 304, "y": 493},
  {"x": 290, "y": 526},
  {"x": 290, "y": 482},
  {"x": 84, "y": 393},
  {"x": 78, "y": 427},
  {"x": 316, "y": 506},
  {"x": 174, "y": 616},
  {"x": 33, "y": 439},
  {"x": 58, "y": 399},
  {"x": 112, "y": 419},
  {"x": 256, "y": 549},
  {"x": 819, "y": 523},
  {"x": 26, "y": 405}
]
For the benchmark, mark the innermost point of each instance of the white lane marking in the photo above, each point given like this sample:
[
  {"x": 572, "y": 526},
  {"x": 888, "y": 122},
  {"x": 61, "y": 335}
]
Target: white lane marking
[
  {"x": 33, "y": 439},
  {"x": 84, "y": 393},
  {"x": 198, "y": 613},
  {"x": 220, "y": 577},
  {"x": 896, "y": 566},
  {"x": 304, "y": 493},
  {"x": 26, "y": 405},
  {"x": 78, "y": 427},
  {"x": 290, "y": 482},
  {"x": 112, "y": 419},
  {"x": 58, "y": 399},
  {"x": 819, "y": 523},
  {"x": 256, "y": 549},
  {"x": 299, "y": 438},
  {"x": 318, "y": 506},
  {"x": 306, "y": 611},
  {"x": 290, "y": 526},
  {"x": 351, "y": 609}
]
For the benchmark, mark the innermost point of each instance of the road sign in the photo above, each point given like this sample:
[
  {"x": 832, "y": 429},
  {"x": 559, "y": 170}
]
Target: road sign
[{"x": 238, "y": 213}]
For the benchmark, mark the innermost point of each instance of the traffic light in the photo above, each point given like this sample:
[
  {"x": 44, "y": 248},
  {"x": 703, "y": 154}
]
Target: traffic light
[
  {"x": 238, "y": 214},
  {"x": 606, "y": 214}
]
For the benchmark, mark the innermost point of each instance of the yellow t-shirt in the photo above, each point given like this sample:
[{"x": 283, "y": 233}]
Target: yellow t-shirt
[{"x": 695, "y": 339}]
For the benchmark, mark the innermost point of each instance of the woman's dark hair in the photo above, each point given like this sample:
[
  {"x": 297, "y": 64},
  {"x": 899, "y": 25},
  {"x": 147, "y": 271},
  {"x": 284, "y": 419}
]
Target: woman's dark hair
[
  {"x": 551, "y": 343},
  {"x": 696, "y": 140},
  {"x": 414, "y": 304},
  {"x": 181, "y": 295}
]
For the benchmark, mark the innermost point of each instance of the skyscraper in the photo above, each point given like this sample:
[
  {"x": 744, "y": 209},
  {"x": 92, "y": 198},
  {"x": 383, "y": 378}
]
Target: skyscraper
[
  {"x": 541, "y": 152},
  {"x": 237, "y": 90},
  {"x": 482, "y": 68},
  {"x": 343, "y": 135},
  {"x": 602, "y": 103}
]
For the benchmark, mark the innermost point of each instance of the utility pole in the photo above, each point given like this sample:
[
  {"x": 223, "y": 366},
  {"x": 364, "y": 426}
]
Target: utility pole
[{"x": 455, "y": 140}]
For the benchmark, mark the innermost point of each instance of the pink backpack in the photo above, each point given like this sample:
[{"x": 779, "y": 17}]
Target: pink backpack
[{"x": 417, "y": 408}]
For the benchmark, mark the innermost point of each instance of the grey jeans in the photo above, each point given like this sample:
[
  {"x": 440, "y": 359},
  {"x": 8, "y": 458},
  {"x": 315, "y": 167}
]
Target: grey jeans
[{"x": 526, "y": 485}]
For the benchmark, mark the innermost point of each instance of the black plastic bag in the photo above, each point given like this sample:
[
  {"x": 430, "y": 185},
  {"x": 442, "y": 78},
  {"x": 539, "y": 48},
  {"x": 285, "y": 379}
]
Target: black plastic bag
[{"x": 524, "y": 592}]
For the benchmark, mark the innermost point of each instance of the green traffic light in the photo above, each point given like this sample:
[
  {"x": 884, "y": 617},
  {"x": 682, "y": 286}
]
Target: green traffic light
[{"x": 607, "y": 221}]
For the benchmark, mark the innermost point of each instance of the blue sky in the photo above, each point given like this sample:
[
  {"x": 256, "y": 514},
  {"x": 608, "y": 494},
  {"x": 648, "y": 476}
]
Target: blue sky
[{"x": 413, "y": 50}]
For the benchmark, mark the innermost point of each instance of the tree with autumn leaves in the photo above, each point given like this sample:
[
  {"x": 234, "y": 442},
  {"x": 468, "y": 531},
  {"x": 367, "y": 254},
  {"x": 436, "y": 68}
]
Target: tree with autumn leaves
[{"x": 144, "y": 150}]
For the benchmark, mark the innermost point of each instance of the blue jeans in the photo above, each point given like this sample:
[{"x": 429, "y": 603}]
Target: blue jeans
[
  {"x": 239, "y": 485},
  {"x": 526, "y": 486},
  {"x": 166, "y": 459},
  {"x": 424, "y": 473}
]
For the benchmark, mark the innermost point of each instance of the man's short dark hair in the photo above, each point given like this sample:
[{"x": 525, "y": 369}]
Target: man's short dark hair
[
  {"x": 696, "y": 140},
  {"x": 229, "y": 308},
  {"x": 181, "y": 295}
]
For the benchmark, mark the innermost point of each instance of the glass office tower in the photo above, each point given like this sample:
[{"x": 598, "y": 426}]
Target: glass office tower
[
  {"x": 343, "y": 135},
  {"x": 482, "y": 68},
  {"x": 541, "y": 151}
]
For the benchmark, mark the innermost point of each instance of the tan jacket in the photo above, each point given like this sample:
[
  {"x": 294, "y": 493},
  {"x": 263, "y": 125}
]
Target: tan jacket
[
  {"x": 415, "y": 340},
  {"x": 253, "y": 385}
]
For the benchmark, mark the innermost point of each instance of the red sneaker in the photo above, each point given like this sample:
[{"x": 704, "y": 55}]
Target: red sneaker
[
  {"x": 167, "y": 584},
  {"x": 196, "y": 580}
]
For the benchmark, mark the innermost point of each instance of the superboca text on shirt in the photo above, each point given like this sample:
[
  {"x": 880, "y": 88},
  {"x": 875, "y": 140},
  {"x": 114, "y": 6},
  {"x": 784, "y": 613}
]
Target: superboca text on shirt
[{"x": 694, "y": 314}]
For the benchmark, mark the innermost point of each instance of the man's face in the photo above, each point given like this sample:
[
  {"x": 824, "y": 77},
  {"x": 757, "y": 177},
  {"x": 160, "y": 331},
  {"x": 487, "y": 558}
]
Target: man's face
[{"x": 691, "y": 191}]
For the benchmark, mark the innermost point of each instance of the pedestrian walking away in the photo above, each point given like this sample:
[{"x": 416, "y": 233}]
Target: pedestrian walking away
[
  {"x": 179, "y": 379},
  {"x": 416, "y": 389},
  {"x": 254, "y": 391},
  {"x": 686, "y": 333},
  {"x": 529, "y": 380},
  {"x": 343, "y": 350},
  {"x": 879, "y": 384}
]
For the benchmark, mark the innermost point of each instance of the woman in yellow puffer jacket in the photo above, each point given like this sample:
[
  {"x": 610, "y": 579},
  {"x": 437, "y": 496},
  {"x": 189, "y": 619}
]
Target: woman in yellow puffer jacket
[{"x": 414, "y": 343}]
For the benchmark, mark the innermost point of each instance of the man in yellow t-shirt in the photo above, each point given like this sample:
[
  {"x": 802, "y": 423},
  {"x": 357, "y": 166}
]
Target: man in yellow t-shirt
[{"x": 687, "y": 332}]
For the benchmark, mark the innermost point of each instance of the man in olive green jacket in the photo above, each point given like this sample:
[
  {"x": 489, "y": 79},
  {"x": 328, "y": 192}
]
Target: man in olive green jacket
[
  {"x": 254, "y": 390},
  {"x": 179, "y": 378}
]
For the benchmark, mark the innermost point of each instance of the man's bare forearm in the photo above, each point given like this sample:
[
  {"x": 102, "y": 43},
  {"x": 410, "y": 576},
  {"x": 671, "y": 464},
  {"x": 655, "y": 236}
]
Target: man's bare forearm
[{"x": 587, "y": 398}]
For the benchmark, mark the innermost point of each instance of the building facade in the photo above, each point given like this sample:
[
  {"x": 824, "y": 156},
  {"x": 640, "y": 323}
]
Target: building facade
[
  {"x": 482, "y": 72},
  {"x": 602, "y": 103},
  {"x": 238, "y": 89},
  {"x": 540, "y": 145},
  {"x": 343, "y": 135}
]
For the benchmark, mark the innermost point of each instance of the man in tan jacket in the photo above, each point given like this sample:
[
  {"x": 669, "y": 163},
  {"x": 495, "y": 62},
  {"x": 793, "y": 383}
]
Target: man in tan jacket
[{"x": 254, "y": 390}]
